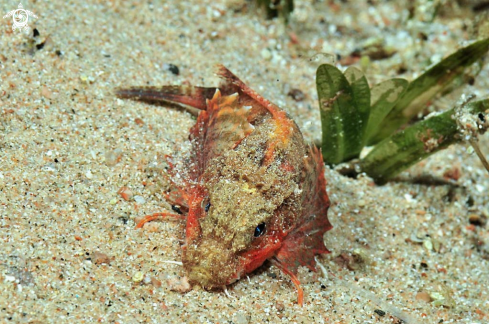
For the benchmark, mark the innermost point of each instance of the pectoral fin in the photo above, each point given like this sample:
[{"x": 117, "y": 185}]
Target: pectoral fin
[{"x": 306, "y": 240}]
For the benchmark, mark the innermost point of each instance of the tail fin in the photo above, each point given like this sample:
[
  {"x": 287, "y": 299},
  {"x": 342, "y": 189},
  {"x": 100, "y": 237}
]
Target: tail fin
[{"x": 174, "y": 95}]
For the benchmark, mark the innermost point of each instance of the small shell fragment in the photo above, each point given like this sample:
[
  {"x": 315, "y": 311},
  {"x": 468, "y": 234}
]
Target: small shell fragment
[
  {"x": 139, "y": 199},
  {"x": 417, "y": 237},
  {"x": 125, "y": 193},
  {"x": 179, "y": 284},
  {"x": 138, "y": 276},
  {"x": 112, "y": 157},
  {"x": 423, "y": 296},
  {"x": 100, "y": 258},
  {"x": 436, "y": 245},
  {"x": 147, "y": 280},
  {"x": 442, "y": 298},
  {"x": 428, "y": 244}
]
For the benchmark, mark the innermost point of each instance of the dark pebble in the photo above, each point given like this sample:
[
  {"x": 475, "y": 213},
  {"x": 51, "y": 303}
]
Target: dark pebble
[
  {"x": 379, "y": 312},
  {"x": 173, "y": 68},
  {"x": 478, "y": 220},
  {"x": 176, "y": 209},
  {"x": 481, "y": 117},
  {"x": 296, "y": 94}
]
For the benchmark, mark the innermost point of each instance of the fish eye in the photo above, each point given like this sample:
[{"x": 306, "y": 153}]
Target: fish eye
[
  {"x": 205, "y": 204},
  {"x": 260, "y": 230}
]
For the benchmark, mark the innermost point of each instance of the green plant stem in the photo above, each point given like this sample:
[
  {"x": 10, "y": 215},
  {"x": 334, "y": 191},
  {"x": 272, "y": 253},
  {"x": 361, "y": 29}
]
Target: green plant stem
[
  {"x": 428, "y": 85},
  {"x": 401, "y": 150},
  {"x": 481, "y": 156}
]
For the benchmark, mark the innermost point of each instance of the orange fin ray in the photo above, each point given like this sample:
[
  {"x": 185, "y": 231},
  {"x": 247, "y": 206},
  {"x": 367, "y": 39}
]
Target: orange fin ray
[
  {"x": 152, "y": 217},
  {"x": 293, "y": 278},
  {"x": 185, "y": 95}
]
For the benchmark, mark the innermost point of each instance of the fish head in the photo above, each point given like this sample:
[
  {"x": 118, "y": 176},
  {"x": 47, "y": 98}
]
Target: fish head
[{"x": 238, "y": 229}]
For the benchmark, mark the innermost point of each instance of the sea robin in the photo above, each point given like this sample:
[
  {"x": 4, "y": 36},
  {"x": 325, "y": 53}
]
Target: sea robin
[{"x": 254, "y": 191}]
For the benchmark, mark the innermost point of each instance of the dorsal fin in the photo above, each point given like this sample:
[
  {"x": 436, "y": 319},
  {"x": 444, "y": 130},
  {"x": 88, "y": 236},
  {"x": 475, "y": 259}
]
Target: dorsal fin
[
  {"x": 284, "y": 126},
  {"x": 227, "y": 125}
]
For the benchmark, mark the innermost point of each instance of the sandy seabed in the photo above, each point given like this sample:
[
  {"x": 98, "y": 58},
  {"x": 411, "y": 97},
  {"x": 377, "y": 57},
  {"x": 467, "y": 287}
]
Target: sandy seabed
[{"x": 69, "y": 252}]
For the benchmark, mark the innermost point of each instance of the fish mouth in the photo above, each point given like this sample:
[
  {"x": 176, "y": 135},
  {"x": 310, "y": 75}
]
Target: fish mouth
[
  {"x": 200, "y": 274},
  {"x": 210, "y": 265}
]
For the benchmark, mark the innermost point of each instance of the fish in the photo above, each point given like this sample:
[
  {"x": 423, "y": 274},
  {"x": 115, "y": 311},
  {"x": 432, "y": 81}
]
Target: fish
[{"x": 253, "y": 190}]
